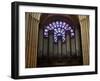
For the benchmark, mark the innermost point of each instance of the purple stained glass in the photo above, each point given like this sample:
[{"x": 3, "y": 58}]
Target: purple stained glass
[
  {"x": 59, "y": 28},
  {"x": 45, "y": 34},
  {"x": 46, "y": 30},
  {"x": 57, "y": 22},
  {"x": 67, "y": 25},
  {"x": 50, "y": 25},
  {"x": 72, "y": 34},
  {"x": 64, "y": 23},
  {"x": 60, "y": 22},
  {"x": 71, "y": 30}
]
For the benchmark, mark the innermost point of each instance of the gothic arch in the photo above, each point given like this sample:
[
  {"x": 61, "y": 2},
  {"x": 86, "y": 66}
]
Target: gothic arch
[{"x": 59, "y": 53}]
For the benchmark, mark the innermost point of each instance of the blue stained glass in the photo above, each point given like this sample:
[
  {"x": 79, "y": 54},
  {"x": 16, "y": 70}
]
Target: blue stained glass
[
  {"x": 59, "y": 28},
  {"x": 48, "y": 27},
  {"x": 46, "y": 34},
  {"x": 54, "y": 26},
  {"x": 63, "y": 33},
  {"x": 54, "y": 23},
  {"x": 60, "y": 22},
  {"x": 55, "y": 29},
  {"x": 62, "y": 30},
  {"x": 57, "y": 22},
  {"x": 71, "y": 30},
  {"x": 58, "y": 25},
  {"x": 46, "y": 30},
  {"x": 64, "y": 23},
  {"x": 72, "y": 34},
  {"x": 55, "y": 38},
  {"x": 59, "y": 34},
  {"x": 67, "y": 25},
  {"x": 65, "y": 28}
]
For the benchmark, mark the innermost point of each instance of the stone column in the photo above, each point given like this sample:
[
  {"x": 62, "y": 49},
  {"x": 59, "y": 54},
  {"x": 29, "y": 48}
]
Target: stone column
[
  {"x": 31, "y": 38},
  {"x": 84, "y": 23}
]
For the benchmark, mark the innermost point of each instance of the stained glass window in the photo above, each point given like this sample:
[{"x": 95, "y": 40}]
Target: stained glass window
[{"x": 60, "y": 29}]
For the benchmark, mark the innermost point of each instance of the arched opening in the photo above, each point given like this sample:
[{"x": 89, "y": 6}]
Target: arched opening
[{"x": 59, "y": 41}]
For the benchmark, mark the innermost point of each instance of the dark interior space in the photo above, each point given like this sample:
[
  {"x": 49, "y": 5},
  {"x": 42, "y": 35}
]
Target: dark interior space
[{"x": 59, "y": 49}]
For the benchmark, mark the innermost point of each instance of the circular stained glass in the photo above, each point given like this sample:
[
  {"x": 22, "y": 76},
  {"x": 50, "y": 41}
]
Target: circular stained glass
[{"x": 59, "y": 28}]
